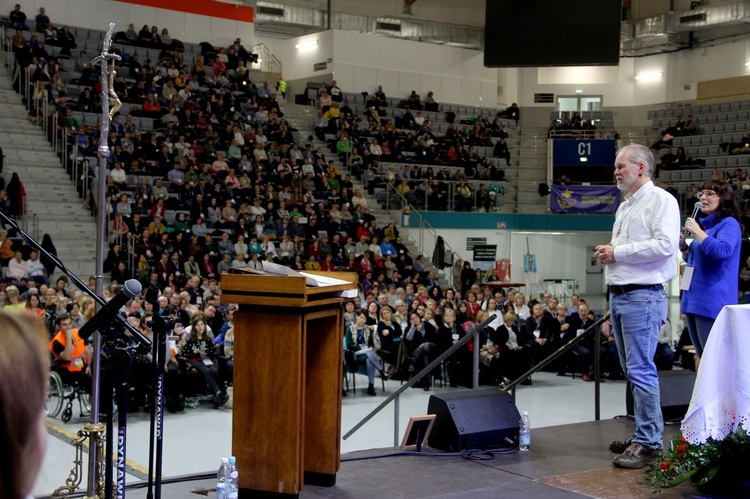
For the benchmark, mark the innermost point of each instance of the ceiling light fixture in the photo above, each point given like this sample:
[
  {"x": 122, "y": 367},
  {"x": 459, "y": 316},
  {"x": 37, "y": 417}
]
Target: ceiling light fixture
[
  {"x": 649, "y": 76},
  {"x": 307, "y": 44}
]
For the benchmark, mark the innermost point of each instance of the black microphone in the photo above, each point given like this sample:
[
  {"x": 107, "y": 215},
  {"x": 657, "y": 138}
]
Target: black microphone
[
  {"x": 698, "y": 206},
  {"x": 130, "y": 289}
]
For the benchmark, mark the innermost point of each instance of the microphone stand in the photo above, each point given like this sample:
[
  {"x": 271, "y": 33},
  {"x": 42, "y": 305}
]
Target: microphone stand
[
  {"x": 107, "y": 76},
  {"x": 117, "y": 358},
  {"x": 161, "y": 326}
]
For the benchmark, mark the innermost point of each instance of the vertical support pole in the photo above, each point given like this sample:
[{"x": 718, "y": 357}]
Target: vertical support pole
[{"x": 107, "y": 74}]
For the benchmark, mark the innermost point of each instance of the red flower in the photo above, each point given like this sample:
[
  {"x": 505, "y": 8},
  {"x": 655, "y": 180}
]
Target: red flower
[
  {"x": 681, "y": 449},
  {"x": 666, "y": 464}
]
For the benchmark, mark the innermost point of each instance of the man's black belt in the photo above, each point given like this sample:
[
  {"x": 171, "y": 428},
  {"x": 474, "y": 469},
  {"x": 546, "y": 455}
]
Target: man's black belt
[{"x": 617, "y": 289}]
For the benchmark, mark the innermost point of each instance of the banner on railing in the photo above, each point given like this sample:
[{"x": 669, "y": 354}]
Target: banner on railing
[{"x": 584, "y": 199}]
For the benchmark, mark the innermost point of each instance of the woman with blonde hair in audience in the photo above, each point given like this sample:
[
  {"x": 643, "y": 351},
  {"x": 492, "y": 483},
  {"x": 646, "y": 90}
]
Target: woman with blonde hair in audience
[
  {"x": 24, "y": 368},
  {"x": 185, "y": 304},
  {"x": 14, "y": 302},
  {"x": 520, "y": 307},
  {"x": 430, "y": 317},
  {"x": 88, "y": 308},
  {"x": 389, "y": 332},
  {"x": 359, "y": 200}
]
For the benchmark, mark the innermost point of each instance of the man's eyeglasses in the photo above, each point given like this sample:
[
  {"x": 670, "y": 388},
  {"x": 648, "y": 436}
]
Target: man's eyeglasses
[{"x": 707, "y": 194}]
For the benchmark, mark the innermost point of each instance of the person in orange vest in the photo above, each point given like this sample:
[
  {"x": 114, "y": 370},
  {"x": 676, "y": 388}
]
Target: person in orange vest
[{"x": 71, "y": 353}]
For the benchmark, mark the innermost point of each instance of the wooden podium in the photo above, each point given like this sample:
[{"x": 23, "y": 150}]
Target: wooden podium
[{"x": 288, "y": 361}]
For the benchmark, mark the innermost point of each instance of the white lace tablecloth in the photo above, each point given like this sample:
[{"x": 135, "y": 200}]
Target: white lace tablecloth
[{"x": 721, "y": 396}]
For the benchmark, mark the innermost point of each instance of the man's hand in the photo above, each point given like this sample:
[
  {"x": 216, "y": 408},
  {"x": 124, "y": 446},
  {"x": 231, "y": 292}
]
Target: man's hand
[{"x": 605, "y": 253}]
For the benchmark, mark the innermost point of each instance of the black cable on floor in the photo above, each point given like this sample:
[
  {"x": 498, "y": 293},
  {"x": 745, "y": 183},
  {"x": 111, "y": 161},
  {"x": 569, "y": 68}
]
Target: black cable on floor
[{"x": 471, "y": 454}]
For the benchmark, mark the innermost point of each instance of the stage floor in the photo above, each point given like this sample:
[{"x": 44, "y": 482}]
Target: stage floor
[{"x": 564, "y": 462}]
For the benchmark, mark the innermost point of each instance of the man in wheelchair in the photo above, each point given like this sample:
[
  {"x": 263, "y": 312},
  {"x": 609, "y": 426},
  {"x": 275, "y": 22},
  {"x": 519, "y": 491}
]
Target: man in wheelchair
[{"x": 71, "y": 354}]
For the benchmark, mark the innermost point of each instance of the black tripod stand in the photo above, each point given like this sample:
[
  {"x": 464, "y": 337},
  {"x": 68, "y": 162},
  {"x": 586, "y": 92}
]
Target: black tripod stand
[
  {"x": 161, "y": 326},
  {"x": 119, "y": 352}
]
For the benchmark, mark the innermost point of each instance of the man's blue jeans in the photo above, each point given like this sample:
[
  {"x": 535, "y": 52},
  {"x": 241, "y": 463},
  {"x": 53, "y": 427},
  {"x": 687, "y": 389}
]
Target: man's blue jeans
[{"x": 637, "y": 317}]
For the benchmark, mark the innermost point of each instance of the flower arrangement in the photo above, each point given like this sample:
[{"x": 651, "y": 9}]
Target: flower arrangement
[{"x": 713, "y": 465}]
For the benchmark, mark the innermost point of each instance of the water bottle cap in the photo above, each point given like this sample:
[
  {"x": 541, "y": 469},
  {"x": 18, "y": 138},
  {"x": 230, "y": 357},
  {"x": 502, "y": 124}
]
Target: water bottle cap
[
  {"x": 232, "y": 459},
  {"x": 525, "y": 413},
  {"x": 224, "y": 459}
]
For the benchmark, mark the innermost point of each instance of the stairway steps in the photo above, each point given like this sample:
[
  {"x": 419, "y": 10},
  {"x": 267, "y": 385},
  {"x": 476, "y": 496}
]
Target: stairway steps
[{"x": 52, "y": 203}]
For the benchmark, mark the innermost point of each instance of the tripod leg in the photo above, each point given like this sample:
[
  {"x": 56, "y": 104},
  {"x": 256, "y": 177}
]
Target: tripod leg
[{"x": 123, "y": 393}]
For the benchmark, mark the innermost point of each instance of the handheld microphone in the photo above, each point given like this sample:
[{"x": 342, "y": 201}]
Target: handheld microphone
[
  {"x": 130, "y": 289},
  {"x": 698, "y": 206}
]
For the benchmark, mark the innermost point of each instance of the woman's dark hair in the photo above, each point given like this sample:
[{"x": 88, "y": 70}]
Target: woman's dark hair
[{"x": 728, "y": 205}]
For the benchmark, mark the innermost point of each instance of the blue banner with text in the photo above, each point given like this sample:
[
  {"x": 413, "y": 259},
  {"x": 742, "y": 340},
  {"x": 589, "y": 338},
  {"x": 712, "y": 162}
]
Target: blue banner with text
[{"x": 584, "y": 199}]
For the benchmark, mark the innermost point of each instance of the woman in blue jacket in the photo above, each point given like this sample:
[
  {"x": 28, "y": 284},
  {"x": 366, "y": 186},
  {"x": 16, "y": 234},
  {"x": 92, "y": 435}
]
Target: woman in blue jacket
[{"x": 710, "y": 280}]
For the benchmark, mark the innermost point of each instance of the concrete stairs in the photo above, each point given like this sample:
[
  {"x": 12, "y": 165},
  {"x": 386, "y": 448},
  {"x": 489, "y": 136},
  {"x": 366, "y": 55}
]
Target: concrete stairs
[
  {"x": 637, "y": 135},
  {"x": 530, "y": 172},
  {"x": 52, "y": 203}
]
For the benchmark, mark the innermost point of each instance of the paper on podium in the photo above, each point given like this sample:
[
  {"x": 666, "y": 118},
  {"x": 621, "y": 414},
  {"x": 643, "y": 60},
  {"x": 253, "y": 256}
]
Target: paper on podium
[{"x": 310, "y": 279}]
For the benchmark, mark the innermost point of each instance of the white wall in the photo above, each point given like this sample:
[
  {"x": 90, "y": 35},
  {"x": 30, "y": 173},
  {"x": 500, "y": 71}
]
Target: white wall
[
  {"x": 298, "y": 63},
  {"x": 361, "y": 62},
  {"x": 97, "y": 14},
  {"x": 686, "y": 67}
]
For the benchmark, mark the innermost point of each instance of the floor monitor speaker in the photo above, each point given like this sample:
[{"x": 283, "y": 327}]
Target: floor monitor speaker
[{"x": 473, "y": 419}]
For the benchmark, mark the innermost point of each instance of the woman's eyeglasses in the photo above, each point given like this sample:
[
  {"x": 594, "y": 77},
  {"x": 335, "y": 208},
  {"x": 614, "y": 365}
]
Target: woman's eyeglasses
[{"x": 707, "y": 194}]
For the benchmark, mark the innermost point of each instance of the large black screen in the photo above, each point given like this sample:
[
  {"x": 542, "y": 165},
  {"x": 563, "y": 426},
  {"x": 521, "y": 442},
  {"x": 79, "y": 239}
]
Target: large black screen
[{"x": 552, "y": 33}]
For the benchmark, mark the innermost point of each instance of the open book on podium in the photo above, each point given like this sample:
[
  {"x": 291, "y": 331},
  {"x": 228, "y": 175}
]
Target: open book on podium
[{"x": 279, "y": 285}]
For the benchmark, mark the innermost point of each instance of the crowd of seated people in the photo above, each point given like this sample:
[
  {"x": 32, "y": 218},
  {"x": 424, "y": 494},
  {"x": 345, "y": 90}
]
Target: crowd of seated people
[
  {"x": 398, "y": 325},
  {"x": 406, "y": 132},
  {"x": 226, "y": 120},
  {"x": 575, "y": 126},
  {"x": 365, "y": 141},
  {"x": 681, "y": 128}
]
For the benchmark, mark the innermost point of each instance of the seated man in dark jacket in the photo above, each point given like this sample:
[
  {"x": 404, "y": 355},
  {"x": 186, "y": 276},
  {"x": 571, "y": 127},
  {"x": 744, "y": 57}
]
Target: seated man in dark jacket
[
  {"x": 578, "y": 324},
  {"x": 542, "y": 327}
]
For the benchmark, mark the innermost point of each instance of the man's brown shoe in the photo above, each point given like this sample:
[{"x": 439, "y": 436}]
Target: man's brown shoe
[
  {"x": 619, "y": 446},
  {"x": 636, "y": 456}
]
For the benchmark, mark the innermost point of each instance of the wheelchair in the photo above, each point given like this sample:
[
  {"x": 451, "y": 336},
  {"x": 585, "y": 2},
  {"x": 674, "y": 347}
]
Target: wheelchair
[{"x": 61, "y": 396}]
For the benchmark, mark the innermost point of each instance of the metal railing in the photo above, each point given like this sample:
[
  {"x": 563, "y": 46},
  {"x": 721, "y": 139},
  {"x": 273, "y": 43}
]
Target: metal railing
[
  {"x": 451, "y": 198},
  {"x": 562, "y": 350},
  {"x": 395, "y": 397},
  {"x": 267, "y": 62},
  {"x": 416, "y": 378},
  {"x": 597, "y": 134}
]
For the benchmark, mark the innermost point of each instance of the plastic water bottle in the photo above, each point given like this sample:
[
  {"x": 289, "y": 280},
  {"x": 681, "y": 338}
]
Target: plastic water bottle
[
  {"x": 524, "y": 432},
  {"x": 222, "y": 478},
  {"x": 232, "y": 487}
]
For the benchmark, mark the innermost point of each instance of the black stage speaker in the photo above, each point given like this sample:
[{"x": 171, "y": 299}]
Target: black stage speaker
[
  {"x": 676, "y": 388},
  {"x": 473, "y": 419}
]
